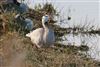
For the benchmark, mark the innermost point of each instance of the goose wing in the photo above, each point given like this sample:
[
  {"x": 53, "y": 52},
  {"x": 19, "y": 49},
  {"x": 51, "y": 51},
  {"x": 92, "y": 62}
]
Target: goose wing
[{"x": 35, "y": 33}]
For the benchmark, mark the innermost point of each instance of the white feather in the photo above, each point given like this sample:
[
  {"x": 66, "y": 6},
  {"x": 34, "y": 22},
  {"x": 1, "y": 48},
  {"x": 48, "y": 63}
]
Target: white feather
[{"x": 42, "y": 36}]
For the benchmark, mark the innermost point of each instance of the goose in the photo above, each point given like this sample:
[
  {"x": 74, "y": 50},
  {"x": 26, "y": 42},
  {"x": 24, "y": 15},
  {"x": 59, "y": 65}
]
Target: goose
[
  {"x": 43, "y": 37},
  {"x": 22, "y": 5},
  {"x": 27, "y": 23}
]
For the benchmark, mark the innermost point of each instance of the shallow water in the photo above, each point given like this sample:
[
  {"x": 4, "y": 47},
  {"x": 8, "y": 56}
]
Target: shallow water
[{"x": 92, "y": 41}]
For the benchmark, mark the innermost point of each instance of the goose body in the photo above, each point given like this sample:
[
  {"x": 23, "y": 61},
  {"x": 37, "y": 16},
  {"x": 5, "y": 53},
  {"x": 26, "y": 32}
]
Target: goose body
[
  {"x": 42, "y": 36},
  {"x": 24, "y": 7},
  {"x": 27, "y": 23},
  {"x": 48, "y": 37},
  {"x": 36, "y": 37}
]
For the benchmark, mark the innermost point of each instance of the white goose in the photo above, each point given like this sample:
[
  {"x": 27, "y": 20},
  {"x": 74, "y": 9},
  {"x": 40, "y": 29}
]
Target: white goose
[{"x": 42, "y": 36}]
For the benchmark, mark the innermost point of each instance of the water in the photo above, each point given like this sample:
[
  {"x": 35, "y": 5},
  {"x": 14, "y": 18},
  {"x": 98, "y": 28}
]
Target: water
[{"x": 92, "y": 41}]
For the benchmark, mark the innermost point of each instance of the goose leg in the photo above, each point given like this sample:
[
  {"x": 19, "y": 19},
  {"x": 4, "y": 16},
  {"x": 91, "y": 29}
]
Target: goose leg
[{"x": 38, "y": 46}]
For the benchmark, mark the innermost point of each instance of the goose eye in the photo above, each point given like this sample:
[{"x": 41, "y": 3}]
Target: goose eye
[{"x": 69, "y": 18}]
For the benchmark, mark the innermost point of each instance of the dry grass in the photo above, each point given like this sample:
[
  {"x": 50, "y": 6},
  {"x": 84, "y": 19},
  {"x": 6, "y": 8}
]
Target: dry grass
[{"x": 18, "y": 51}]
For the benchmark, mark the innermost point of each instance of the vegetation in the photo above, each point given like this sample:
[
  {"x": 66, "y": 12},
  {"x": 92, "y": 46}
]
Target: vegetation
[{"x": 17, "y": 51}]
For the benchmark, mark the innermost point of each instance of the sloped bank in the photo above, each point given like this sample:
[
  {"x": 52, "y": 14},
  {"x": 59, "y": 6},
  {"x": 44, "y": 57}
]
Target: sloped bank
[{"x": 14, "y": 46}]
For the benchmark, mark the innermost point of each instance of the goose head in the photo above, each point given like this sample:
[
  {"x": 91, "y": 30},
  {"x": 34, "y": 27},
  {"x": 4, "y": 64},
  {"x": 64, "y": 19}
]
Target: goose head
[
  {"x": 45, "y": 21},
  {"x": 16, "y": 2}
]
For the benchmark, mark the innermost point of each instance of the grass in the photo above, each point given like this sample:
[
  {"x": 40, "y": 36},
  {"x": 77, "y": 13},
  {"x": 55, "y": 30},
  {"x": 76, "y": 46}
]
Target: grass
[
  {"x": 18, "y": 51},
  {"x": 12, "y": 46}
]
